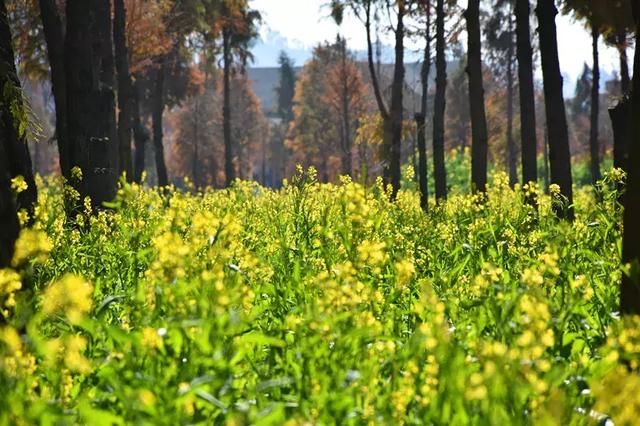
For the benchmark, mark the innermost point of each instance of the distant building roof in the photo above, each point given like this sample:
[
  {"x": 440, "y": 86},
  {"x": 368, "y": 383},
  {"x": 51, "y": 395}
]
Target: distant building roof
[{"x": 265, "y": 81}]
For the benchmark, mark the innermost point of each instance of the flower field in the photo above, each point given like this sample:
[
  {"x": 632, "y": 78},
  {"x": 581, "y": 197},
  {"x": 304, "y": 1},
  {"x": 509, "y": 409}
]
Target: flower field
[{"x": 318, "y": 304}]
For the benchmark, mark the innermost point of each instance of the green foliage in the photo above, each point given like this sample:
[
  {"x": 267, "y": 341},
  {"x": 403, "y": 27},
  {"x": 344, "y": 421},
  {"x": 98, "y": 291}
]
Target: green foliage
[{"x": 318, "y": 303}]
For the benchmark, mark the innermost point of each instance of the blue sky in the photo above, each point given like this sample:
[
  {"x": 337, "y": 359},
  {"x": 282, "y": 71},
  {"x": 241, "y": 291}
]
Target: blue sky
[{"x": 298, "y": 25}]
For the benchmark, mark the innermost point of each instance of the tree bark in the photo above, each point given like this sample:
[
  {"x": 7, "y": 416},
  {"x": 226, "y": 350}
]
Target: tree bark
[
  {"x": 229, "y": 169},
  {"x": 15, "y": 142},
  {"x": 625, "y": 79},
  {"x": 527, "y": 96},
  {"x": 512, "y": 159},
  {"x": 479, "y": 136},
  {"x": 347, "y": 166},
  {"x": 421, "y": 117},
  {"x": 158, "y": 109},
  {"x": 140, "y": 136},
  {"x": 621, "y": 123},
  {"x": 439, "y": 106},
  {"x": 559, "y": 155},
  {"x": 125, "y": 89},
  {"x": 387, "y": 132},
  {"x": 9, "y": 225},
  {"x": 91, "y": 102},
  {"x": 594, "y": 147},
  {"x": 54, "y": 37},
  {"x": 396, "y": 103},
  {"x": 630, "y": 288}
]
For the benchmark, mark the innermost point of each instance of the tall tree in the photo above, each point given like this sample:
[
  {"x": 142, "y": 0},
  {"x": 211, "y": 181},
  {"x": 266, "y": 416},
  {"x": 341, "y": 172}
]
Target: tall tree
[
  {"x": 421, "y": 117},
  {"x": 397, "y": 90},
  {"x": 630, "y": 288},
  {"x": 157, "y": 110},
  {"x": 126, "y": 100},
  {"x": 9, "y": 225},
  {"x": 239, "y": 28},
  {"x": 285, "y": 93},
  {"x": 524, "y": 54},
  {"x": 594, "y": 145},
  {"x": 476, "y": 99},
  {"x": 439, "y": 105},
  {"x": 559, "y": 155},
  {"x": 54, "y": 37},
  {"x": 501, "y": 46},
  {"x": 392, "y": 115},
  {"x": 13, "y": 117},
  {"x": 89, "y": 67}
]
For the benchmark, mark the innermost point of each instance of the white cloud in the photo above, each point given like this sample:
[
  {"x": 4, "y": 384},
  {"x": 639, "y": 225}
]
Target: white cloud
[{"x": 304, "y": 23}]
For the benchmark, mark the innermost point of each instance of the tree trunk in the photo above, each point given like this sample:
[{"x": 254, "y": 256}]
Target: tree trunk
[
  {"x": 347, "y": 167},
  {"x": 439, "y": 105},
  {"x": 512, "y": 159},
  {"x": 158, "y": 109},
  {"x": 54, "y": 37},
  {"x": 91, "y": 102},
  {"x": 387, "y": 132},
  {"x": 559, "y": 155},
  {"x": 16, "y": 149},
  {"x": 621, "y": 123},
  {"x": 625, "y": 79},
  {"x": 527, "y": 97},
  {"x": 229, "y": 170},
  {"x": 125, "y": 89},
  {"x": 396, "y": 103},
  {"x": 479, "y": 136},
  {"x": 140, "y": 136},
  {"x": 630, "y": 288},
  {"x": 595, "y": 109},
  {"x": 196, "y": 137},
  {"x": 421, "y": 117},
  {"x": 9, "y": 225}
]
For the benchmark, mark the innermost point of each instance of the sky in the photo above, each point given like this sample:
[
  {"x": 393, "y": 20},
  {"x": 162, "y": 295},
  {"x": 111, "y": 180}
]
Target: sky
[{"x": 298, "y": 25}]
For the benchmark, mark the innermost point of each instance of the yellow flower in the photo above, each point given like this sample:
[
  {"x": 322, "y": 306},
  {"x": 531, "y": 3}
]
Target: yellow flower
[
  {"x": 150, "y": 338},
  {"x": 76, "y": 173},
  {"x": 18, "y": 184},
  {"x": 71, "y": 295},
  {"x": 147, "y": 398},
  {"x": 33, "y": 245},
  {"x": 74, "y": 359},
  {"x": 9, "y": 285},
  {"x": 404, "y": 272}
]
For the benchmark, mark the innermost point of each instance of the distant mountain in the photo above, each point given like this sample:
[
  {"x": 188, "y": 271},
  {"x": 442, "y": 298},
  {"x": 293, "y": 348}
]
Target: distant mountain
[{"x": 267, "y": 50}]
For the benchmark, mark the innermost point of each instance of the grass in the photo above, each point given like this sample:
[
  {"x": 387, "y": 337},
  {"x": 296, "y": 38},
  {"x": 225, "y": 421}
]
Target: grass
[{"x": 318, "y": 304}]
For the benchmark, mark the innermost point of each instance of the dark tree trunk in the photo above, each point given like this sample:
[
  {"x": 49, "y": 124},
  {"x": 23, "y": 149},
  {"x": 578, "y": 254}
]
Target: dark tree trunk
[
  {"x": 91, "y": 102},
  {"x": 140, "y": 136},
  {"x": 421, "y": 117},
  {"x": 229, "y": 170},
  {"x": 512, "y": 159},
  {"x": 9, "y": 225},
  {"x": 630, "y": 289},
  {"x": 157, "y": 111},
  {"x": 126, "y": 101},
  {"x": 347, "y": 166},
  {"x": 625, "y": 79},
  {"x": 527, "y": 97},
  {"x": 479, "y": 136},
  {"x": 559, "y": 155},
  {"x": 54, "y": 37},
  {"x": 594, "y": 147},
  {"x": 621, "y": 123},
  {"x": 439, "y": 105},
  {"x": 387, "y": 132},
  {"x": 16, "y": 149},
  {"x": 396, "y": 103},
  {"x": 196, "y": 136}
]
